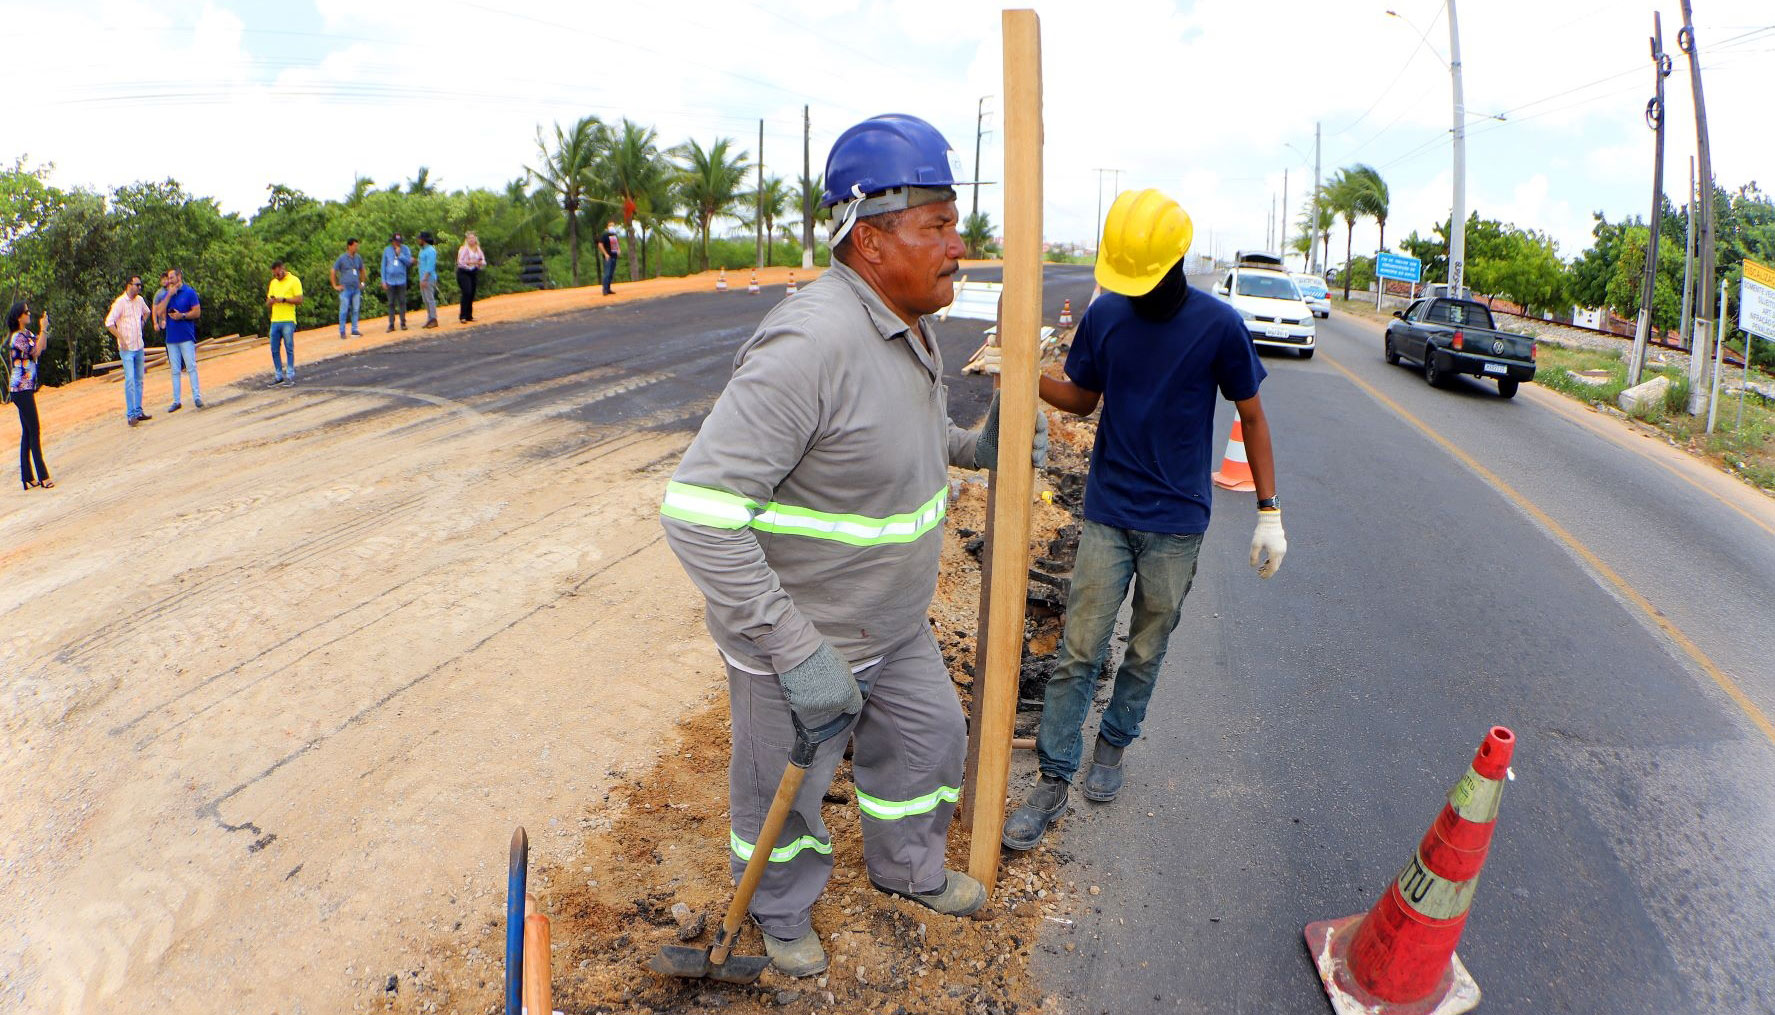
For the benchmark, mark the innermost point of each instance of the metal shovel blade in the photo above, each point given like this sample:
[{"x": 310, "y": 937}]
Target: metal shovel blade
[{"x": 693, "y": 963}]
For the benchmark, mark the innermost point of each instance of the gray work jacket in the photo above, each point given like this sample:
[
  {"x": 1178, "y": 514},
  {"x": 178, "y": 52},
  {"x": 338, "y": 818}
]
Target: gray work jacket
[{"x": 811, "y": 503}]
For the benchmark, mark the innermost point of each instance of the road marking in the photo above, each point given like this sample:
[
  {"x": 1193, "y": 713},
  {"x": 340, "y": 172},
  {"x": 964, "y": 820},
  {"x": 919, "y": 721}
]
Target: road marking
[
  {"x": 1590, "y": 421},
  {"x": 1627, "y": 591}
]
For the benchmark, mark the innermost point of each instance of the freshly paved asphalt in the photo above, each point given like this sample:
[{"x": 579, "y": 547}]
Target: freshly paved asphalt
[{"x": 1307, "y": 727}]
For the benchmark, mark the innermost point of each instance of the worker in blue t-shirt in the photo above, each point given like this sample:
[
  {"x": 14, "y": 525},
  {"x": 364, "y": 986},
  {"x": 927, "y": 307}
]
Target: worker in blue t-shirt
[{"x": 1156, "y": 353}]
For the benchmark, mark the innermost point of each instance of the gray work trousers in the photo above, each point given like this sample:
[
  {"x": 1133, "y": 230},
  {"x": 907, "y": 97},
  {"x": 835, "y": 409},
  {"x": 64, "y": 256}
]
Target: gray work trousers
[{"x": 911, "y": 742}]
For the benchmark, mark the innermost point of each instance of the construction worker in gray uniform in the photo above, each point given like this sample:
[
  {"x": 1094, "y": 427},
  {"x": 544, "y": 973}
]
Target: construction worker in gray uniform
[{"x": 809, "y": 511}]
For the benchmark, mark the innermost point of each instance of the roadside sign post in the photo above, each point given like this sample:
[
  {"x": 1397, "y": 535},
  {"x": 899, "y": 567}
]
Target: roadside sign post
[
  {"x": 1397, "y": 267},
  {"x": 1756, "y": 318}
]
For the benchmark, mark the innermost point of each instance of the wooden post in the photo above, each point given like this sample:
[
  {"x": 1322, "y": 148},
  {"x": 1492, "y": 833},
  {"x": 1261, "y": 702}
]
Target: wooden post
[{"x": 995, "y": 696}]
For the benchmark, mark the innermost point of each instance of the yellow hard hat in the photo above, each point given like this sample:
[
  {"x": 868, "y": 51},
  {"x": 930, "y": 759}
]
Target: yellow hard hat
[{"x": 1145, "y": 234}]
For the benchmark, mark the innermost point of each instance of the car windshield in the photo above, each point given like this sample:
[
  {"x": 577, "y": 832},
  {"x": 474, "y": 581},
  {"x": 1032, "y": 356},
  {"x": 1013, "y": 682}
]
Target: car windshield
[
  {"x": 1310, "y": 286},
  {"x": 1273, "y": 287}
]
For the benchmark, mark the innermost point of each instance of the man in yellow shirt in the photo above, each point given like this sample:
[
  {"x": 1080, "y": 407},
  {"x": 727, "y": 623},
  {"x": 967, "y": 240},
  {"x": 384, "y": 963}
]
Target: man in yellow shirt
[{"x": 283, "y": 296}]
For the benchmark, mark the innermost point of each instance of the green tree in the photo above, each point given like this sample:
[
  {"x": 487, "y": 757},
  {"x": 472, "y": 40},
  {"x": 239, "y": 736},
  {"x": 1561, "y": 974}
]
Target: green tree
[
  {"x": 422, "y": 183},
  {"x": 567, "y": 171},
  {"x": 709, "y": 181},
  {"x": 1377, "y": 199},
  {"x": 1351, "y": 194},
  {"x": 976, "y": 233},
  {"x": 1626, "y": 285},
  {"x": 775, "y": 204},
  {"x": 632, "y": 171}
]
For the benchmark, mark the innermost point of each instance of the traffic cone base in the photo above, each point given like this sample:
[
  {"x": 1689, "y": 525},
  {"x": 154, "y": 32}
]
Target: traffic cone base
[
  {"x": 1328, "y": 941},
  {"x": 1066, "y": 314},
  {"x": 721, "y": 281},
  {"x": 752, "y": 287}
]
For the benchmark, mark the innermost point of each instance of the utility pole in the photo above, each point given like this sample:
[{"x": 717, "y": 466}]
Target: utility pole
[
  {"x": 1097, "y": 240},
  {"x": 979, "y": 132},
  {"x": 1701, "y": 355},
  {"x": 1457, "y": 233},
  {"x": 1688, "y": 324},
  {"x": 807, "y": 196},
  {"x": 1313, "y": 229},
  {"x": 1283, "y": 245},
  {"x": 758, "y": 257},
  {"x": 1642, "y": 333}
]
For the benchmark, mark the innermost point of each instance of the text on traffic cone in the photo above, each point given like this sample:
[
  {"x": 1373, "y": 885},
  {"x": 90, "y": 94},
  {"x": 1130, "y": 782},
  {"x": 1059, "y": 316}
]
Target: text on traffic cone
[{"x": 1400, "y": 957}]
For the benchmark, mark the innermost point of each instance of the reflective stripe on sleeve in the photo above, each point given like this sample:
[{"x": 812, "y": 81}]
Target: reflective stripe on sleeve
[
  {"x": 719, "y": 509},
  {"x": 782, "y": 854},
  {"x": 893, "y": 810}
]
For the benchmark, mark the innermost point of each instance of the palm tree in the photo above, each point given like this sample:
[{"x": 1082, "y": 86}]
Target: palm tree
[
  {"x": 1377, "y": 199},
  {"x": 567, "y": 171},
  {"x": 631, "y": 170},
  {"x": 775, "y": 205},
  {"x": 360, "y": 188},
  {"x": 1351, "y": 194},
  {"x": 708, "y": 182},
  {"x": 421, "y": 183},
  {"x": 976, "y": 233}
]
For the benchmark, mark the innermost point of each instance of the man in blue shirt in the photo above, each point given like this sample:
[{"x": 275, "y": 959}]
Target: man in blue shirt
[
  {"x": 348, "y": 282},
  {"x": 396, "y": 259},
  {"x": 179, "y": 314},
  {"x": 1156, "y": 353},
  {"x": 428, "y": 277}
]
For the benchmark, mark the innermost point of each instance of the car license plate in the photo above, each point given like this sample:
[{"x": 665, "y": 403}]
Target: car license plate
[
  {"x": 1275, "y": 332},
  {"x": 1496, "y": 368}
]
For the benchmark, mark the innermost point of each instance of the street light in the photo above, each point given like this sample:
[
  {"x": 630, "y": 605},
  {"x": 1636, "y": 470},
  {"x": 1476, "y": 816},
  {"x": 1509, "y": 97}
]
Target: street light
[
  {"x": 1313, "y": 222},
  {"x": 1457, "y": 231}
]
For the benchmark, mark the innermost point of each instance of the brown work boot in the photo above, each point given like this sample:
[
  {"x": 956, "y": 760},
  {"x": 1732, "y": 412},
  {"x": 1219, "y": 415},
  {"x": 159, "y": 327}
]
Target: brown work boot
[{"x": 960, "y": 895}]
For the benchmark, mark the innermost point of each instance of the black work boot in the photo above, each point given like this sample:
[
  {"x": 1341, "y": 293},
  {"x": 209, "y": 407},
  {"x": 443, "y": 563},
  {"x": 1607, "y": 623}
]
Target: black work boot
[
  {"x": 1026, "y": 826},
  {"x": 1104, "y": 780}
]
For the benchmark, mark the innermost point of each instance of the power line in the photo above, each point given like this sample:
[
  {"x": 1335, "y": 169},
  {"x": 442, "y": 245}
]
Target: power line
[{"x": 1423, "y": 42}]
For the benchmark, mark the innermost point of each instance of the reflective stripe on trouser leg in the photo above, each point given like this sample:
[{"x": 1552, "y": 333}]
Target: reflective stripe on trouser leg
[
  {"x": 911, "y": 744},
  {"x": 762, "y": 735}
]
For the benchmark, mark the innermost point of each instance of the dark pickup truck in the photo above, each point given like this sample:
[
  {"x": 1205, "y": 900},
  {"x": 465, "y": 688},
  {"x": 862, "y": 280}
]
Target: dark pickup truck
[{"x": 1450, "y": 336}]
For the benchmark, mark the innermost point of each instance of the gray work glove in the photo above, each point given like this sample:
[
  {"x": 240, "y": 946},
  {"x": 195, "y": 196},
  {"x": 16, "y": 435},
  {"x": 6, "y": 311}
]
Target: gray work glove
[
  {"x": 986, "y": 449},
  {"x": 822, "y": 693}
]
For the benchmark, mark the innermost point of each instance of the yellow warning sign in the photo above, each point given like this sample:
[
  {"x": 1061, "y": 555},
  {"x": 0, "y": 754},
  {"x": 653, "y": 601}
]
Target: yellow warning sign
[
  {"x": 1756, "y": 300},
  {"x": 1759, "y": 273}
]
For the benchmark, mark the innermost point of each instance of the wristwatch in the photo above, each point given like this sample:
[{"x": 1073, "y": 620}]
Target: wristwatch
[{"x": 1269, "y": 503}]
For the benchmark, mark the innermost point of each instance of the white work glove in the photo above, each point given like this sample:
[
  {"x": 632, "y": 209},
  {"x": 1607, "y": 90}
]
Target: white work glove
[
  {"x": 1268, "y": 544},
  {"x": 992, "y": 361}
]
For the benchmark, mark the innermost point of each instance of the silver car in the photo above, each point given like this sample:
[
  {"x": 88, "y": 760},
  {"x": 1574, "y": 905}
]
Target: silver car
[{"x": 1314, "y": 294}]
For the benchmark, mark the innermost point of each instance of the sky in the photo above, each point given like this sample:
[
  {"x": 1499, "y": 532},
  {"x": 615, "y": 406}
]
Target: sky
[{"x": 1211, "y": 101}]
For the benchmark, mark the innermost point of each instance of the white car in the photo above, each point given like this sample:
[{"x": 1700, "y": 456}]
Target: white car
[
  {"x": 1271, "y": 305},
  {"x": 1314, "y": 294}
]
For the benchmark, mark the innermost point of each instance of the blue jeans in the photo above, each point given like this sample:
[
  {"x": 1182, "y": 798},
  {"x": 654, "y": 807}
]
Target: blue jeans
[
  {"x": 609, "y": 273},
  {"x": 183, "y": 355},
  {"x": 283, "y": 345},
  {"x": 350, "y": 302},
  {"x": 1161, "y": 567},
  {"x": 132, "y": 382}
]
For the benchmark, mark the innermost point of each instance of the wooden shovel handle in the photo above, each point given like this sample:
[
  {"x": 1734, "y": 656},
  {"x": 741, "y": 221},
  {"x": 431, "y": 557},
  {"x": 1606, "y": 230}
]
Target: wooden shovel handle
[{"x": 774, "y": 820}]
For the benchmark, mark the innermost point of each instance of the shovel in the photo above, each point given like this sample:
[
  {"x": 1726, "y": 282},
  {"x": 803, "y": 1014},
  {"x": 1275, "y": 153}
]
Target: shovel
[{"x": 717, "y": 961}]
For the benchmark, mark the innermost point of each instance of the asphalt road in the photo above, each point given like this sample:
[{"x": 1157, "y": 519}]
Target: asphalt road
[{"x": 1307, "y": 727}]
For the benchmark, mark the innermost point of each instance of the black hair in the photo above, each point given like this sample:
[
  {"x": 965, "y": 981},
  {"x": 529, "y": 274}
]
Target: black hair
[
  {"x": 351, "y": 241},
  {"x": 17, "y": 311},
  {"x": 276, "y": 265}
]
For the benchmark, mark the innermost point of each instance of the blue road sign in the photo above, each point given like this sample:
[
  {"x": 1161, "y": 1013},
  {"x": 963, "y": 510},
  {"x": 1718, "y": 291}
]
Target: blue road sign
[{"x": 1398, "y": 266}]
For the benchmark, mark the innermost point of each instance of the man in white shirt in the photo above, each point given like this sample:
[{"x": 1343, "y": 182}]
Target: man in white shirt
[{"x": 128, "y": 311}]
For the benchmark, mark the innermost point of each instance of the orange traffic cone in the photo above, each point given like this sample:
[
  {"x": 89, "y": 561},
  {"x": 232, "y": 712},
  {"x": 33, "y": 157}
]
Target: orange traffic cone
[
  {"x": 753, "y": 287},
  {"x": 791, "y": 284},
  {"x": 1235, "y": 470},
  {"x": 1400, "y": 958},
  {"x": 721, "y": 281},
  {"x": 1066, "y": 314}
]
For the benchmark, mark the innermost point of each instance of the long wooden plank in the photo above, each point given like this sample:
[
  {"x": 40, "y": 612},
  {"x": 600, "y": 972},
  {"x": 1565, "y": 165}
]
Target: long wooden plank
[{"x": 1014, "y": 480}]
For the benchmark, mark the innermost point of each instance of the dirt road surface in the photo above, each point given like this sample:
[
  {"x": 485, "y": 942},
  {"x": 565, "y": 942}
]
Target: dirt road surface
[{"x": 281, "y": 675}]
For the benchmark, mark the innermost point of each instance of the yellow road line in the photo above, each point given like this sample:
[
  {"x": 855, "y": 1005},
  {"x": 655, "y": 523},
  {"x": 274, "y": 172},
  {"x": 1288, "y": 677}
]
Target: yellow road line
[{"x": 1627, "y": 591}]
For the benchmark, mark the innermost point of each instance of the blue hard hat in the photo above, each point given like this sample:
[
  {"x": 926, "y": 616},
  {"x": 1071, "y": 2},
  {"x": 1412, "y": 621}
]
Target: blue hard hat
[{"x": 884, "y": 152}]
